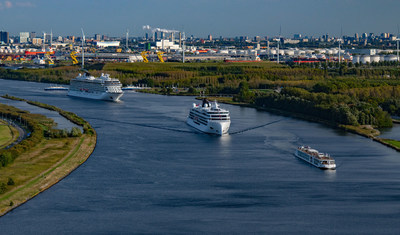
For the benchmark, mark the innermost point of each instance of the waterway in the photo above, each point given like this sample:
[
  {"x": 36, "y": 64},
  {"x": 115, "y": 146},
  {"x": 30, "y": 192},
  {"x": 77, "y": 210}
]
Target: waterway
[{"x": 152, "y": 173}]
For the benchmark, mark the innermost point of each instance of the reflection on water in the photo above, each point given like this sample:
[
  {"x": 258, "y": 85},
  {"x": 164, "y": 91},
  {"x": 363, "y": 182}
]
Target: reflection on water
[{"x": 330, "y": 175}]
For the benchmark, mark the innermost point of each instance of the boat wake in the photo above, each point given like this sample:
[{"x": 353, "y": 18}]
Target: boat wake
[
  {"x": 256, "y": 127},
  {"x": 183, "y": 131},
  {"x": 145, "y": 125}
]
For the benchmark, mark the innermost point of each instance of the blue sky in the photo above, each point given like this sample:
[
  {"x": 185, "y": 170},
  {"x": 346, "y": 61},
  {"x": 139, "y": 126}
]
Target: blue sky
[{"x": 201, "y": 17}]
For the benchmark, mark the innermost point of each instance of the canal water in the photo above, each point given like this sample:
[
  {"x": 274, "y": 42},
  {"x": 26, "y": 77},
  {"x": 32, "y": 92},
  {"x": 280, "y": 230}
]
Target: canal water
[{"x": 152, "y": 173}]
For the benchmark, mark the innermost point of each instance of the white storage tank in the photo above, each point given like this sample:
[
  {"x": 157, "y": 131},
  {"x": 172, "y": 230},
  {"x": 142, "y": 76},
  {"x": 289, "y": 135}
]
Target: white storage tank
[
  {"x": 382, "y": 57},
  {"x": 272, "y": 51},
  {"x": 289, "y": 52},
  {"x": 391, "y": 58},
  {"x": 375, "y": 58},
  {"x": 356, "y": 59},
  {"x": 365, "y": 59},
  {"x": 223, "y": 52}
]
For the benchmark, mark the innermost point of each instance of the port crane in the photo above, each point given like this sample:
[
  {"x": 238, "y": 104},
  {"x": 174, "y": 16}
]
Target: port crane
[
  {"x": 159, "y": 55},
  {"x": 73, "y": 57},
  {"x": 144, "y": 55},
  {"x": 49, "y": 59}
]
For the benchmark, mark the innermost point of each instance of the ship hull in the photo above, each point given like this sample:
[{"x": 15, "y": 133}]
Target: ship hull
[
  {"x": 310, "y": 160},
  {"x": 96, "y": 95},
  {"x": 216, "y": 128}
]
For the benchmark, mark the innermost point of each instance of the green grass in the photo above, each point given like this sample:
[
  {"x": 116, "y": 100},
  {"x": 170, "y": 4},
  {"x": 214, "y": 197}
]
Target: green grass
[
  {"x": 7, "y": 134},
  {"x": 394, "y": 143}
]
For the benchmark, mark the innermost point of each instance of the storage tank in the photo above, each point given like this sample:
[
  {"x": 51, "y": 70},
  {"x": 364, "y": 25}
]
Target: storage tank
[
  {"x": 272, "y": 51},
  {"x": 356, "y": 59},
  {"x": 375, "y": 58},
  {"x": 309, "y": 52},
  {"x": 281, "y": 52},
  {"x": 382, "y": 57},
  {"x": 289, "y": 52},
  {"x": 224, "y": 52},
  {"x": 365, "y": 59},
  {"x": 390, "y": 58},
  {"x": 263, "y": 52}
]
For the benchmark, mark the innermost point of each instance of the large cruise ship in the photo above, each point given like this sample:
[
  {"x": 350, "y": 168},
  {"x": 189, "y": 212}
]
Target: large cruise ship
[
  {"x": 209, "y": 118},
  {"x": 315, "y": 158},
  {"x": 102, "y": 88}
]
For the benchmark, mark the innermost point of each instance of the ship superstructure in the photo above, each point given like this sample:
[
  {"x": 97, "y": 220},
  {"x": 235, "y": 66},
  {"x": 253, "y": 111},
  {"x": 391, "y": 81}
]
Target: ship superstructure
[{"x": 209, "y": 118}]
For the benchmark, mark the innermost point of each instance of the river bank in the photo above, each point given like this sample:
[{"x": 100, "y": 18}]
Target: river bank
[{"x": 44, "y": 164}]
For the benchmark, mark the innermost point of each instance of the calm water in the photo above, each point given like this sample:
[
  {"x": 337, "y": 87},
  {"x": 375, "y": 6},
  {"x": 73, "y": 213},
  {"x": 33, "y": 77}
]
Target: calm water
[{"x": 150, "y": 172}]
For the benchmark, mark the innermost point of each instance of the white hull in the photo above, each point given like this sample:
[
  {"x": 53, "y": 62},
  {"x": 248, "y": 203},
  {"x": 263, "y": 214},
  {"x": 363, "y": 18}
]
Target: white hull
[
  {"x": 213, "y": 127},
  {"x": 96, "y": 95},
  {"x": 311, "y": 161}
]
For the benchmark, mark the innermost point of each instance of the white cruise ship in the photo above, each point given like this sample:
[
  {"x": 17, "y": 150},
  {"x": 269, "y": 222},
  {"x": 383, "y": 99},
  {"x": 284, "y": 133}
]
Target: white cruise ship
[
  {"x": 315, "y": 158},
  {"x": 102, "y": 88},
  {"x": 209, "y": 118}
]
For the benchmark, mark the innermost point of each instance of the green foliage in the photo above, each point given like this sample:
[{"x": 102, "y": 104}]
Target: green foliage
[
  {"x": 39, "y": 126},
  {"x": 3, "y": 188},
  {"x": 338, "y": 109},
  {"x": 10, "y": 181},
  {"x": 6, "y": 158}
]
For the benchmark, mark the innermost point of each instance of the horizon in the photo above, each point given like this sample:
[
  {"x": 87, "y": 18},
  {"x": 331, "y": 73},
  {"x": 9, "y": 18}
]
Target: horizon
[{"x": 227, "y": 18}]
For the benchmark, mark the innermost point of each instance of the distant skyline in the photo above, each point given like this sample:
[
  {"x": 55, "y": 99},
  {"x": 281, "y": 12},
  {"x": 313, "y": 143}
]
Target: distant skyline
[{"x": 227, "y": 18}]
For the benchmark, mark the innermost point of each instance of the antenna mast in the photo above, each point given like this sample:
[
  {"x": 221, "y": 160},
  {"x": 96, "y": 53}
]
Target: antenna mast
[
  {"x": 279, "y": 41},
  {"x": 183, "y": 47},
  {"x": 83, "y": 53},
  {"x": 44, "y": 41},
  {"x": 397, "y": 39},
  {"x": 340, "y": 41},
  {"x": 127, "y": 36}
]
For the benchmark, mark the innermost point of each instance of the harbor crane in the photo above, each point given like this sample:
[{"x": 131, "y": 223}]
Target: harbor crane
[
  {"x": 73, "y": 57},
  {"x": 144, "y": 55},
  {"x": 159, "y": 55}
]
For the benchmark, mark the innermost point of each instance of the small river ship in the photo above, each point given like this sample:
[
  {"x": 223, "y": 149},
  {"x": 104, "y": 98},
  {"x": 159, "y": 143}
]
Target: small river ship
[
  {"x": 209, "y": 118},
  {"x": 315, "y": 158}
]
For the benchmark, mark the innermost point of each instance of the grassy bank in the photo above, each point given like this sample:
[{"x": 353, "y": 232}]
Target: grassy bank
[
  {"x": 45, "y": 163},
  {"x": 8, "y": 134}
]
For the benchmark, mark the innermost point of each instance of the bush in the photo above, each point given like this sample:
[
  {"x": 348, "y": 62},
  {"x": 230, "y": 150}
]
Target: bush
[
  {"x": 10, "y": 181},
  {"x": 3, "y": 188}
]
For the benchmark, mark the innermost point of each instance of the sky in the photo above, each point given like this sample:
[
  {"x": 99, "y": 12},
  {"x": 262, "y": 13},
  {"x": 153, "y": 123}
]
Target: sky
[{"x": 227, "y": 18}]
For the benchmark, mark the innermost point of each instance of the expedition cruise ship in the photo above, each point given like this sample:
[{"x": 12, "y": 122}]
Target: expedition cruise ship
[
  {"x": 209, "y": 118},
  {"x": 102, "y": 88},
  {"x": 315, "y": 158}
]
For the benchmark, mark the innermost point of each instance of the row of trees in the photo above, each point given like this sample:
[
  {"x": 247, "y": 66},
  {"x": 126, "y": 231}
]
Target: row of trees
[{"x": 335, "y": 109}]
